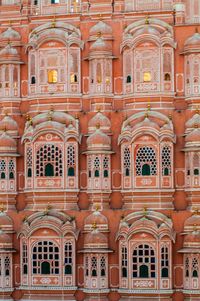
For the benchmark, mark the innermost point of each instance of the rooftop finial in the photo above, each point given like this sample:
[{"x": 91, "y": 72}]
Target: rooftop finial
[
  {"x": 53, "y": 24},
  {"x": 98, "y": 126},
  {"x": 94, "y": 226},
  {"x": 145, "y": 211},
  {"x": 147, "y": 20}
]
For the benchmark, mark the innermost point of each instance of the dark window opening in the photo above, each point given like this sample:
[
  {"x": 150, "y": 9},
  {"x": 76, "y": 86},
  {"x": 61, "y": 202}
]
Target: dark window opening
[
  {"x": 11, "y": 175},
  {"x": 25, "y": 269},
  {"x": 165, "y": 273},
  {"x": 29, "y": 173},
  {"x": 94, "y": 273},
  {"x": 105, "y": 173},
  {"x": 49, "y": 170},
  {"x": 124, "y": 272},
  {"x": 45, "y": 268},
  {"x": 195, "y": 273},
  {"x": 3, "y": 175},
  {"x": 33, "y": 79},
  {"x": 127, "y": 172},
  {"x": 71, "y": 172},
  {"x": 96, "y": 173},
  {"x": 128, "y": 79},
  {"x": 166, "y": 171},
  {"x": 68, "y": 269},
  {"x": 103, "y": 272},
  {"x": 196, "y": 171},
  {"x": 146, "y": 170},
  {"x": 167, "y": 77},
  {"x": 144, "y": 271}
]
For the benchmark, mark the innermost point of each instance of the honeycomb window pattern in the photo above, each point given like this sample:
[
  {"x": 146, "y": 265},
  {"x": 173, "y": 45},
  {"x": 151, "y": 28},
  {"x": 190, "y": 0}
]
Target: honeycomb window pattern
[
  {"x": 166, "y": 160},
  {"x": 49, "y": 154},
  {"x": 146, "y": 155}
]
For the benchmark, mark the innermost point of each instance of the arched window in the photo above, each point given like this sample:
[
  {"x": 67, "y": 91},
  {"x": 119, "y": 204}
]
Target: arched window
[
  {"x": 49, "y": 161},
  {"x": 195, "y": 267},
  {"x": 68, "y": 258},
  {"x": 146, "y": 163},
  {"x": 103, "y": 266},
  {"x": 127, "y": 162},
  {"x": 166, "y": 160},
  {"x": 25, "y": 259},
  {"x": 11, "y": 167},
  {"x": 164, "y": 262},
  {"x": 94, "y": 266},
  {"x": 187, "y": 267},
  {"x": 196, "y": 164},
  {"x": 128, "y": 79},
  {"x": 86, "y": 266},
  {"x": 96, "y": 167},
  {"x": 71, "y": 157},
  {"x": 2, "y": 169},
  {"x": 143, "y": 262},
  {"x": 29, "y": 161},
  {"x": 45, "y": 258},
  {"x": 7, "y": 266},
  {"x": 124, "y": 262},
  {"x": 106, "y": 167},
  {"x": 52, "y": 76}
]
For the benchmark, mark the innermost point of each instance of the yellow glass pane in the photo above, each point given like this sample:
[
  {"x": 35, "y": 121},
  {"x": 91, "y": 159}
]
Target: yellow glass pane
[
  {"x": 147, "y": 76},
  {"x": 52, "y": 76}
]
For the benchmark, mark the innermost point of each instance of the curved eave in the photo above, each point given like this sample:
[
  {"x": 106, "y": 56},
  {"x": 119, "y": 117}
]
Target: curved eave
[
  {"x": 103, "y": 56},
  {"x": 191, "y": 149},
  {"x": 11, "y": 62},
  {"x": 189, "y": 250},
  {"x": 9, "y": 155},
  {"x": 95, "y": 250},
  {"x": 91, "y": 152}
]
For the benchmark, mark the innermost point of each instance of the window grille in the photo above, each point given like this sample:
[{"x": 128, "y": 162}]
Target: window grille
[
  {"x": 11, "y": 167},
  {"x": 68, "y": 258},
  {"x": 94, "y": 266},
  {"x": 96, "y": 167},
  {"x": 144, "y": 262},
  {"x": 71, "y": 160},
  {"x": 103, "y": 266},
  {"x": 7, "y": 266},
  {"x": 164, "y": 262},
  {"x": 49, "y": 161},
  {"x": 127, "y": 161},
  {"x": 124, "y": 262},
  {"x": 166, "y": 161},
  {"x": 146, "y": 163},
  {"x": 25, "y": 259},
  {"x": 45, "y": 258},
  {"x": 2, "y": 169},
  {"x": 195, "y": 267},
  {"x": 187, "y": 267}
]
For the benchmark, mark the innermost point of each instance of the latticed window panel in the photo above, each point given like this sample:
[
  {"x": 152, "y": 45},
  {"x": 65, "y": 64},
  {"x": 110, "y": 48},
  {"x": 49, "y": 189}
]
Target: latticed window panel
[
  {"x": 94, "y": 266},
  {"x": 187, "y": 267},
  {"x": 25, "y": 258},
  {"x": 124, "y": 262},
  {"x": 45, "y": 258},
  {"x": 164, "y": 261},
  {"x": 143, "y": 262},
  {"x": 195, "y": 267},
  {"x": 103, "y": 266},
  {"x": 7, "y": 266},
  {"x": 127, "y": 161},
  {"x": 106, "y": 167},
  {"x": 49, "y": 161},
  {"x": 71, "y": 160},
  {"x": 29, "y": 157},
  {"x": 146, "y": 163},
  {"x": 2, "y": 169},
  {"x": 166, "y": 160},
  {"x": 68, "y": 258}
]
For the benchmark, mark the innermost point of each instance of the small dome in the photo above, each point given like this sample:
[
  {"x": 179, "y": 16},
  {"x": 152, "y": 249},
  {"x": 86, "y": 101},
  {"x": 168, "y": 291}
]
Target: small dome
[
  {"x": 5, "y": 221},
  {"x": 96, "y": 239},
  {"x": 5, "y": 240},
  {"x": 96, "y": 218},
  {"x": 102, "y": 28},
  {"x": 193, "y": 41},
  {"x": 192, "y": 238},
  {"x": 8, "y": 123},
  {"x": 101, "y": 45},
  {"x": 147, "y": 123},
  {"x": 193, "y": 136},
  {"x": 10, "y": 34},
  {"x": 101, "y": 120},
  {"x": 98, "y": 141},
  {"x": 147, "y": 30},
  {"x": 9, "y": 53},
  {"x": 7, "y": 143},
  {"x": 59, "y": 117},
  {"x": 192, "y": 221}
]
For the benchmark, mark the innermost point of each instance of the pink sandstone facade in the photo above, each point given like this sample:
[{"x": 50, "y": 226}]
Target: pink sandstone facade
[{"x": 100, "y": 150}]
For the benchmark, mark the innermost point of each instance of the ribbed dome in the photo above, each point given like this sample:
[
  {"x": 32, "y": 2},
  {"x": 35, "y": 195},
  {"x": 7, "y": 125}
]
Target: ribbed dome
[
  {"x": 192, "y": 238},
  {"x": 10, "y": 34},
  {"x": 101, "y": 46},
  {"x": 99, "y": 141},
  {"x": 9, "y": 53},
  {"x": 96, "y": 218},
  {"x": 193, "y": 40},
  {"x": 102, "y": 28},
  {"x": 8, "y": 123},
  {"x": 193, "y": 136},
  {"x": 101, "y": 120},
  {"x": 192, "y": 221},
  {"x": 5, "y": 240},
  {"x": 7, "y": 143},
  {"x": 96, "y": 239},
  {"x": 5, "y": 221},
  {"x": 147, "y": 123}
]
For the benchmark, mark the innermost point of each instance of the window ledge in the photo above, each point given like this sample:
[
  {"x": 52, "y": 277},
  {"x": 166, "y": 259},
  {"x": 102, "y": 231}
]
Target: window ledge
[{"x": 47, "y": 288}]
